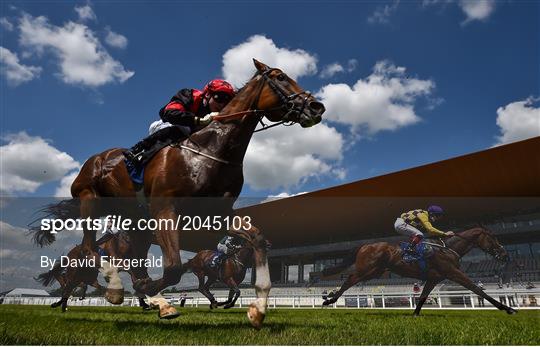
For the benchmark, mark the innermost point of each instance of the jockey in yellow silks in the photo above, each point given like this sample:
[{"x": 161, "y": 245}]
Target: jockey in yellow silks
[{"x": 411, "y": 223}]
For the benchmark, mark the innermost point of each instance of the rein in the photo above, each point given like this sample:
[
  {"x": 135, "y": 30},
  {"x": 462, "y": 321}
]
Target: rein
[{"x": 285, "y": 101}]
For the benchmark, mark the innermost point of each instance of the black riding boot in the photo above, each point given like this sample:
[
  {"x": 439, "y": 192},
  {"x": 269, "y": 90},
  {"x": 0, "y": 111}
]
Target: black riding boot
[{"x": 147, "y": 147}]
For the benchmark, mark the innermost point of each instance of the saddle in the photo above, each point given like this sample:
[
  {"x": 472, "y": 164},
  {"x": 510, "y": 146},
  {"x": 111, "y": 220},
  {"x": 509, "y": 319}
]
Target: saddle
[{"x": 136, "y": 170}]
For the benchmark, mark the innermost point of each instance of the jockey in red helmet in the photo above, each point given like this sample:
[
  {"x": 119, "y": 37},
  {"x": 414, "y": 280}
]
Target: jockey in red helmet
[{"x": 189, "y": 110}]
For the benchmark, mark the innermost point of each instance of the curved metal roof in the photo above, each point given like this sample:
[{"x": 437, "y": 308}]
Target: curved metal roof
[{"x": 476, "y": 187}]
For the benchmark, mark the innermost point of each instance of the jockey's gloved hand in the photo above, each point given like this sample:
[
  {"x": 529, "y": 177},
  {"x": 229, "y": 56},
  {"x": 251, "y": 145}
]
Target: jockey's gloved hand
[
  {"x": 449, "y": 233},
  {"x": 206, "y": 119}
]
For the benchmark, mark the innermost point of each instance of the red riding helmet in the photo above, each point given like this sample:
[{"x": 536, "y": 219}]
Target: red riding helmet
[{"x": 219, "y": 86}]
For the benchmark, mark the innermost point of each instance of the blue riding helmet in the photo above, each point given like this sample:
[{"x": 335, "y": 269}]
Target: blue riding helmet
[{"x": 435, "y": 210}]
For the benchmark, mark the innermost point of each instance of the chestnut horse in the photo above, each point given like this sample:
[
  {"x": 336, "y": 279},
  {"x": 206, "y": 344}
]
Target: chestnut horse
[
  {"x": 372, "y": 260},
  {"x": 231, "y": 272},
  {"x": 70, "y": 277},
  {"x": 206, "y": 164}
]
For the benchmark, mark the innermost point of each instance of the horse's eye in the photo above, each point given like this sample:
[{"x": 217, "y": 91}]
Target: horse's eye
[{"x": 281, "y": 77}]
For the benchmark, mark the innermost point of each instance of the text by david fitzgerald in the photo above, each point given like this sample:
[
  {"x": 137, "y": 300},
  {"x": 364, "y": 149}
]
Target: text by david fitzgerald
[{"x": 125, "y": 264}]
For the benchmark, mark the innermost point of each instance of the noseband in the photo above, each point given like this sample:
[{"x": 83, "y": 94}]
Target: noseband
[
  {"x": 286, "y": 100},
  {"x": 286, "y": 103}
]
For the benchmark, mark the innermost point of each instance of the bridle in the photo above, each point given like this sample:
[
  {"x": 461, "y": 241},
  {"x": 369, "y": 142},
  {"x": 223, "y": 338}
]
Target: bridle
[
  {"x": 491, "y": 250},
  {"x": 286, "y": 103}
]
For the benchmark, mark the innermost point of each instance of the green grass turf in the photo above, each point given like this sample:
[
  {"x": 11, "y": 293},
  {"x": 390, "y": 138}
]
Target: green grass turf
[{"x": 41, "y": 325}]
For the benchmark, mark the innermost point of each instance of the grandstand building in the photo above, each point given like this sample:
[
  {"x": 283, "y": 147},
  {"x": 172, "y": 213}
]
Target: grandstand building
[{"x": 498, "y": 187}]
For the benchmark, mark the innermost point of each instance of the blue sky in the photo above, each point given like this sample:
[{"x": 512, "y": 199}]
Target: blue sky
[{"x": 413, "y": 82}]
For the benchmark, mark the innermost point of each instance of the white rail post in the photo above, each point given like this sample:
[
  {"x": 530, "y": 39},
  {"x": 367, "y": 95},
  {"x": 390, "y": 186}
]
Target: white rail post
[
  {"x": 472, "y": 301},
  {"x": 383, "y": 303},
  {"x": 411, "y": 301}
]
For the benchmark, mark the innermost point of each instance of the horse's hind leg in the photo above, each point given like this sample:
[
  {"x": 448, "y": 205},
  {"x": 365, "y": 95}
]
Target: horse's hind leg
[
  {"x": 349, "y": 282},
  {"x": 68, "y": 289},
  {"x": 84, "y": 287},
  {"x": 229, "y": 299},
  {"x": 56, "y": 304},
  {"x": 428, "y": 287},
  {"x": 462, "y": 279},
  {"x": 352, "y": 280}
]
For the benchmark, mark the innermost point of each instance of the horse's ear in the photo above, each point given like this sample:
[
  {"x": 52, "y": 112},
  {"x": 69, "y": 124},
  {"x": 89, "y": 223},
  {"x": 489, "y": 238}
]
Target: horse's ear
[{"x": 261, "y": 67}]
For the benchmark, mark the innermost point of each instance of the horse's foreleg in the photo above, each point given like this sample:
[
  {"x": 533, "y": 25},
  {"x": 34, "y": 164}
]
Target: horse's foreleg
[
  {"x": 115, "y": 290},
  {"x": 236, "y": 292},
  {"x": 462, "y": 279},
  {"x": 169, "y": 242},
  {"x": 428, "y": 287},
  {"x": 166, "y": 310},
  {"x": 204, "y": 288},
  {"x": 257, "y": 310}
]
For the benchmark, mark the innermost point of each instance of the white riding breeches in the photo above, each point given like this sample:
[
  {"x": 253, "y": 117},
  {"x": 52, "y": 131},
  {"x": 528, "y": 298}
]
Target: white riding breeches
[
  {"x": 406, "y": 229},
  {"x": 159, "y": 124},
  {"x": 222, "y": 248}
]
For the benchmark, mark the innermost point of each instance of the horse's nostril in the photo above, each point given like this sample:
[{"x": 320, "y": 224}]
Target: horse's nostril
[{"x": 316, "y": 106}]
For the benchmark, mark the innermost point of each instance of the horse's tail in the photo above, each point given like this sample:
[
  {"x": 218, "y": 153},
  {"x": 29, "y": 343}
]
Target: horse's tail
[
  {"x": 349, "y": 259},
  {"x": 65, "y": 209},
  {"x": 48, "y": 278}
]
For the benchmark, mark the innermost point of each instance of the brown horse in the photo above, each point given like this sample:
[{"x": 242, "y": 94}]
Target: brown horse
[
  {"x": 231, "y": 272},
  {"x": 372, "y": 260},
  {"x": 207, "y": 164},
  {"x": 70, "y": 276}
]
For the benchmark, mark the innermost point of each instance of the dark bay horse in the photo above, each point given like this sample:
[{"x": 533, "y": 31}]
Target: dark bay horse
[
  {"x": 207, "y": 164},
  {"x": 70, "y": 277},
  {"x": 231, "y": 272},
  {"x": 372, "y": 260}
]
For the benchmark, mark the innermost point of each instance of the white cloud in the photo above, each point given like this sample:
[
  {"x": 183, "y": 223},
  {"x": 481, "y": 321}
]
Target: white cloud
[
  {"x": 26, "y": 162},
  {"x": 15, "y": 72},
  {"x": 64, "y": 189},
  {"x": 6, "y": 24},
  {"x": 85, "y": 13},
  {"x": 331, "y": 69},
  {"x": 115, "y": 40},
  {"x": 82, "y": 58},
  {"x": 382, "y": 13},
  {"x": 382, "y": 101},
  {"x": 288, "y": 156},
  {"x": 279, "y": 196},
  {"x": 518, "y": 121},
  {"x": 477, "y": 9},
  {"x": 238, "y": 68},
  {"x": 351, "y": 65}
]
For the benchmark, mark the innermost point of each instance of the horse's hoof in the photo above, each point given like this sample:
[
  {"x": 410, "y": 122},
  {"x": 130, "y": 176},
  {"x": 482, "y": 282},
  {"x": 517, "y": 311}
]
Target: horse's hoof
[
  {"x": 511, "y": 311},
  {"x": 256, "y": 316},
  {"x": 227, "y": 307},
  {"x": 115, "y": 296},
  {"x": 168, "y": 312}
]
